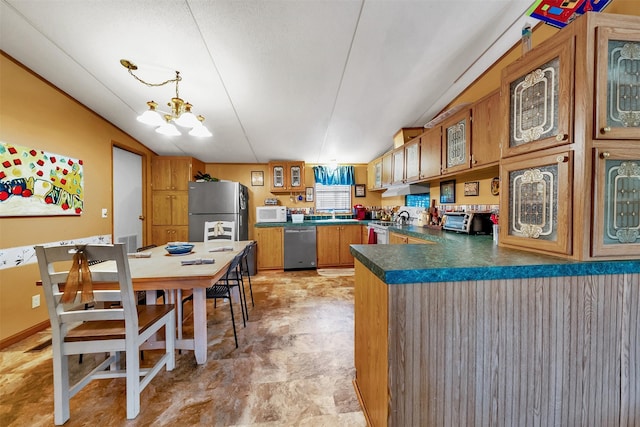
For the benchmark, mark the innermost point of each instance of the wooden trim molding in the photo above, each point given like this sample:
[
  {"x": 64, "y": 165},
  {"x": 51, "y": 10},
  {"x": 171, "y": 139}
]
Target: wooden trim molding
[{"x": 24, "y": 334}]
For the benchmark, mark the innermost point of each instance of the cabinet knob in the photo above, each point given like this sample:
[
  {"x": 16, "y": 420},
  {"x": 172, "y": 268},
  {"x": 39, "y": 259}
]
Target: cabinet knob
[
  {"x": 605, "y": 155},
  {"x": 141, "y": 217},
  {"x": 473, "y": 159},
  {"x": 563, "y": 158},
  {"x": 605, "y": 129},
  {"x": 561, "y": 137}
]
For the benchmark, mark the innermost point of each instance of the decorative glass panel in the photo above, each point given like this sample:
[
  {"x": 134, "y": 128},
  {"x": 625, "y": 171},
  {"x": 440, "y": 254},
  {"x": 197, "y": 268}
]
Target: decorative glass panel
[
  {"x": 534, "y": 105},
  {"x": 295, "y": 176},
  {"x": 622, "y": 201},
  {"x": 456, "y": 144},
  {"x": 533, "y": 199},
  {"x": 412, "y": 161},
  {"x": 278, "y": 176},
  {"x": 623, "y": 102},
  {"x": 378, "y": 172}
]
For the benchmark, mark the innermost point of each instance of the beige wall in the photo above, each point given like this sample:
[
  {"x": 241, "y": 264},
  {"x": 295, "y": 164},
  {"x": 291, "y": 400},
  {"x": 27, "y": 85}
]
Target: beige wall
[{"x": 33, "y": 113}]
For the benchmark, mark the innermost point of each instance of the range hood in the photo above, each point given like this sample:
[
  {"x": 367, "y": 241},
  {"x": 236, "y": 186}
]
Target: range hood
[{"x": 404, "y": 189}]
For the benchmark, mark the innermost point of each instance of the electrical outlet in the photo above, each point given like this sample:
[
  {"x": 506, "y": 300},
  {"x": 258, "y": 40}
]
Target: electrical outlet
[{"x": 35, "y": 301}]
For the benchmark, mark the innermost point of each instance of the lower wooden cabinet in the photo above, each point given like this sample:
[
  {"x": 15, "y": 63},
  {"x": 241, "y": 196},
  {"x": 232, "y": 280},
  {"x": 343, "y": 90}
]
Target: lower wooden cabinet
[
  {"x": 161, "y": 234},
  {"x": 401, "y": 239},
  {"x": 270, "y": 248},
  {"x": 332, "y": 244}
]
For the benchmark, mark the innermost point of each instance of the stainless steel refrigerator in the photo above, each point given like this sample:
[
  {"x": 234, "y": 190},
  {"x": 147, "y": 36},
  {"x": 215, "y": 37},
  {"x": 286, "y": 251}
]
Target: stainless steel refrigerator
[{"x": 218, "y": 201}]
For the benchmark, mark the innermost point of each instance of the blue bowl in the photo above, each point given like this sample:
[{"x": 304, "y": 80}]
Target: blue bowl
[{"x": 179, "y": 249}]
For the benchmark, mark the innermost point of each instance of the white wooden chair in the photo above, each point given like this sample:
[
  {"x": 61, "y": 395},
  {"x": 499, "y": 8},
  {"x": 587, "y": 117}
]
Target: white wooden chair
[
  {"x": 75, "y": 330},
  {"x": 214, "y": 230}
]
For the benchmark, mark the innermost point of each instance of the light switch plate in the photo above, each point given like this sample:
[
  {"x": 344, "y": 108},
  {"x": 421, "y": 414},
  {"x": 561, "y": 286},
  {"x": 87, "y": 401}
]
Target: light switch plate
[
  {"x": 104, "y": 212},
  {"x": 35, "y": 301}
]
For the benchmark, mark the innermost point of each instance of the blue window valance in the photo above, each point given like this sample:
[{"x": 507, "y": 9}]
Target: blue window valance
[{"x": 341, "y": 175}]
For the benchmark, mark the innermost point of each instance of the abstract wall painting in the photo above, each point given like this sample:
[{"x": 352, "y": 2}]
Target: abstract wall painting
[{"x": 37, "y": 183}]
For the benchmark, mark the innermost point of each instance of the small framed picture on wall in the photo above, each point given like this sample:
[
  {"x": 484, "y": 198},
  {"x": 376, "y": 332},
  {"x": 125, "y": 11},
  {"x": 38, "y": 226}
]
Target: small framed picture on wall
[
  {"x": 471, "y": 188},
  {"x": 257, "y": 178},
  {"x": 309, "y": 194},
  {"x": 360, "y": 190},
  {"x": 448, "y": 191}
]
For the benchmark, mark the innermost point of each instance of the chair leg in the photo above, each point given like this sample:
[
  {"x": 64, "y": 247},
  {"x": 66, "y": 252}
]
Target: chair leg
[
  {"x": 61, "y": 411},
  {"x": 233, "y": 320},
  {"x": 133, "y": 381},
  {"x": 246, "y": 264}
]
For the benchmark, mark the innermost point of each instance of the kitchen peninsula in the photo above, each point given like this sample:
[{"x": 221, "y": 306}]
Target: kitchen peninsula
[{"x": 463, "y": 332}]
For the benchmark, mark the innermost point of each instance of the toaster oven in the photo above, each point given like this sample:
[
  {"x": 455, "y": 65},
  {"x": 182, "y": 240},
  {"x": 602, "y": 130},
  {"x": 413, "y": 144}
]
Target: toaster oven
[{"x": 468, "y": 222}]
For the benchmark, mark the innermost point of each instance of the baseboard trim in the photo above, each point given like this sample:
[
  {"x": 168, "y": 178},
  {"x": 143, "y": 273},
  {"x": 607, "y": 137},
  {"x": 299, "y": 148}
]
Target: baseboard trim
[{"x": 24, "y": 334}]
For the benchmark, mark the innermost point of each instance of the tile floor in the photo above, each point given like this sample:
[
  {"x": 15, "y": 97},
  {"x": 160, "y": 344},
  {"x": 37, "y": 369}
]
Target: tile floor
[{"x": 294, "y": 367}]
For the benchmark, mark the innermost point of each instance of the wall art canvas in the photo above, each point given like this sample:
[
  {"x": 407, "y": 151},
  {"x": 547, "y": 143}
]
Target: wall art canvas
[
  {"x": 37, "y": 183},
  {"x": 559, "y": 13}
]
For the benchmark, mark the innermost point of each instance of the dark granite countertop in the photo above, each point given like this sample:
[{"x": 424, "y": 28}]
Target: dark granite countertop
[
  {"x": 463, "y": 257},
  {"x": 312, "y": 223}
]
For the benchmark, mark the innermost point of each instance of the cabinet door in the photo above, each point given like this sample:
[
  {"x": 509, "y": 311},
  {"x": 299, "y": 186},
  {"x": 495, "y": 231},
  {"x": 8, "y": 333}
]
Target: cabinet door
[
  {"x": 161, "y": 173},
  {"x": 296, "y": 176},
  {"x": 269, "y": 248},
  {"x": 539, "y": 92},
  {"x": 277, "y": 177},
  {"x": 327, "y": 238},
  {"x": 398, "y": 166},
  {"x": 349, "y": 235},
  {"x": 387, "y": 170},
  {"x": 485, "y": 141},
  {"x": 162, "y": 212},
  {"x": 412, "y": 160},
  {"x": 374, "y": 174},
  {"x": 430, "y": 149},
  {"x": 617, "y": 202},
  {"x": 160, "y": 235},
  {"x": 180, "y": 208},
  {"x": 397, "y": 239},
  {"x": 617, "y": 84},
  {"x": 456, "y": 143},
  {"x": 180, "y": 174},
  {"x": 538, "y": 203}
]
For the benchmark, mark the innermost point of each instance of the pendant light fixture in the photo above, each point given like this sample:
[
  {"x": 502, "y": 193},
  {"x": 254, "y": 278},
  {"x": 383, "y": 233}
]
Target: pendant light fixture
[{"x": 180, "y": 113}]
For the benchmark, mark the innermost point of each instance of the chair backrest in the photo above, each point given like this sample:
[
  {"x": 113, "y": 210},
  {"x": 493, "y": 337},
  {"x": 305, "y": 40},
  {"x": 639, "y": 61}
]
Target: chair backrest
[
  {"x": 54, "y": 264},
  {"x": 214, "y": 230}
]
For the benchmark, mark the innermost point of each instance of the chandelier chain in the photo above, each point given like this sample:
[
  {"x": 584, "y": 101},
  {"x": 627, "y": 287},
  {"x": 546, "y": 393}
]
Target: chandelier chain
[{"x": 177, "y": 79}]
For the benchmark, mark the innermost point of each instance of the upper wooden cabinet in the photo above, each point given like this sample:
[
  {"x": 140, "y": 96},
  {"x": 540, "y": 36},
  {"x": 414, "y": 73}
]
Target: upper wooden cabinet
[
  {"x": 617, "y": 197},
  {"x": 456, "y": 142},
  {"x": 617, "y": 84},
  {"x": 430, "y": 153},
  {"x": 173, "y": 173},
  {"x": 286, "y": 176},
  {"x": 412, "y": 160},
  {"x": 375, "y": 174},
  {"x": 397, "y": 157},
  {"x": 485, "y": 130},
  {"x": 387, "y": 169},
  {"x": 537, "y": 202},
  {"x": 538, "y": 95}
]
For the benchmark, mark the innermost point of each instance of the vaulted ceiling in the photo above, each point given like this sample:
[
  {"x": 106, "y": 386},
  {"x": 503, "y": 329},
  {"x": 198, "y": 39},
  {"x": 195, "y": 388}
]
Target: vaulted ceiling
[{"x": 312, "y": 80}]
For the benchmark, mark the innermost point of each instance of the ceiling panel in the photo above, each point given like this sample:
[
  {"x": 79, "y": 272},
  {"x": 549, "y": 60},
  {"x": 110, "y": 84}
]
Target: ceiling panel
[{"x": 314, "y": 80}]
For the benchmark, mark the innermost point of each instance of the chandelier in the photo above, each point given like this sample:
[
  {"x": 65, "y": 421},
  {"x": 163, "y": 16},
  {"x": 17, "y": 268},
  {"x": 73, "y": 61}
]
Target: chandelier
[{"x": 180, "y": 113}]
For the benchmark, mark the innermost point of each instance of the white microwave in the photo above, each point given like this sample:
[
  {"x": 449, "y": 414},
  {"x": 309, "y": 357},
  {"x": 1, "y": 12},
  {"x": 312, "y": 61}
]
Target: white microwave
[{"x": 271, "y": 214}]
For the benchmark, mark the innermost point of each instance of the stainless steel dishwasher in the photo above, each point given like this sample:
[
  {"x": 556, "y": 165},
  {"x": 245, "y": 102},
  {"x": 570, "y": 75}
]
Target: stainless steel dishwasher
[{"x": 299, "y": 248}]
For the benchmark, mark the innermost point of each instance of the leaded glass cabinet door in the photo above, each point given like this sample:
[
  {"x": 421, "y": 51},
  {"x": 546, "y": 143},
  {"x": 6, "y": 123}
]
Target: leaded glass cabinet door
[
  {"x": 617, "y": 202},
  {"x": 540, "y": 88},
  {"x": 456, "y": 143},
  {"x": 618, "y": 84},
  {"x": 295, "y": 173},
  {"x": 538, "y": 203}
]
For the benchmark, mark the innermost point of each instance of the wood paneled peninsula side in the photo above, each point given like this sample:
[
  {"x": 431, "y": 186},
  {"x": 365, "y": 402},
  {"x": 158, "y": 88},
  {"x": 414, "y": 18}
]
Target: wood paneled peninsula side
[{"x": 463, "y": 332}]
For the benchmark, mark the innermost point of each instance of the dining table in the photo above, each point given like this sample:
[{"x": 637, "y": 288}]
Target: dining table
[{"x": 155, "y": 269}]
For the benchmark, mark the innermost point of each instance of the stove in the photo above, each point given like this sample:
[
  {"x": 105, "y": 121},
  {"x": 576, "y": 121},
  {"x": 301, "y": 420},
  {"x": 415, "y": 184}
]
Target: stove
[{"x": 378, "y": 232}]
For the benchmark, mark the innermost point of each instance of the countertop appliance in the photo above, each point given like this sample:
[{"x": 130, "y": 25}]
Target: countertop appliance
[
  {"x": 218, "y": 201},
  {"x": 469, "y": 222},
  {"x": 299, "y": 248},
  {"x": 271, "y": 214}
]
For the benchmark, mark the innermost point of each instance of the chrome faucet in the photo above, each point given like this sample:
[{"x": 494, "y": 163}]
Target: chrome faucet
[
  {"x": 403, "y": 219},
  {"x": 333, "y": 214}
]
